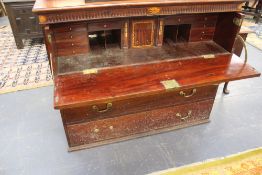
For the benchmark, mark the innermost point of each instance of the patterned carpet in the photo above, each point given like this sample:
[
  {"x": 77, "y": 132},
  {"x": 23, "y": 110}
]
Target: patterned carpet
[
  {"x": 22, "y": 69},
  {"x": 246, "y": 163},
  {"x": 254, "y": 39}
]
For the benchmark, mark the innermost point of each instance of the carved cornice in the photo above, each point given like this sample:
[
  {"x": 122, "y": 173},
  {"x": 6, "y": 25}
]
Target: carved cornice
[{"x": 70, "y": 16}]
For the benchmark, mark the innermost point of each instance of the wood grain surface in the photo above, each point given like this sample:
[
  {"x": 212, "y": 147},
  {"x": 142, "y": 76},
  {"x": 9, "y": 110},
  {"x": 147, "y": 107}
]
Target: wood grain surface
[
  {"x": 49, "y": 5},
  {"x": 138, "y": 104},
  {"x": 132, "y": 81},
  {"x": 136, "y": 125}
]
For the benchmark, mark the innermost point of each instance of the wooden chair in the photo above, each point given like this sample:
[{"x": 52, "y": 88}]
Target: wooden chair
[
  {"x": 2, "y": 8},
  {"x": 255, "y": 9}
]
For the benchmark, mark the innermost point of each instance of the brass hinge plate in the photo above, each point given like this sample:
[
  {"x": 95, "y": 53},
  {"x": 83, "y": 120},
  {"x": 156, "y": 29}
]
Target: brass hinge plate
[
  {"x": 90, "y": 71},
  {"x": 170, "y": 84},
  {"x": 209, "y": 56},
  {"x": 238, "y": 21},
  {"x": 49, "y": 38}
]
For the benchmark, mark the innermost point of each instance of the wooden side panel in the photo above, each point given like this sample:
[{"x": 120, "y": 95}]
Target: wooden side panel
[
  {"x": 136, "y": 125},
  {"x": 228, "y": 26},
  {"x": 133, "y": 105}
]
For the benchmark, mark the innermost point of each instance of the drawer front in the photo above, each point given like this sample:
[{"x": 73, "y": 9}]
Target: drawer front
[
  {"x": 123, "y": 107},
  {"x": 190, "y": 19},
  {"x": 61, "y": 28},
  {"x": 108, "y": 25},
  {"x": 201, "y": 34},
  {"x": 139, "y": 123},
  {"x": 72, "y": 50},
  {"x": 71, "y": 42},
  {"x": 69, "y": 37}
]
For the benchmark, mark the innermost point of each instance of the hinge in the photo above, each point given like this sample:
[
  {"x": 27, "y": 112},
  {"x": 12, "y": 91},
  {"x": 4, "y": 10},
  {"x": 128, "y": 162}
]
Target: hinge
[
  {"x": 49, "y": 38},
  {"x": 238, "y": 21},
  {"x": 170, "y": 84},
  {"x": 209, "y": 56},
  {"x": 90, "y": 71}
]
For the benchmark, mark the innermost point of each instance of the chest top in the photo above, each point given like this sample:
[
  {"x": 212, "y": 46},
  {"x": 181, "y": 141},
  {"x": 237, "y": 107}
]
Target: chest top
[{"x": 56, "y": 11}]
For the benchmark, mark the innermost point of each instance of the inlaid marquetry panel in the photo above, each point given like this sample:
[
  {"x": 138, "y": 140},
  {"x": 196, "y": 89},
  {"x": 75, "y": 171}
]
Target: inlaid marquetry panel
[{"x": 143, "y": 33}]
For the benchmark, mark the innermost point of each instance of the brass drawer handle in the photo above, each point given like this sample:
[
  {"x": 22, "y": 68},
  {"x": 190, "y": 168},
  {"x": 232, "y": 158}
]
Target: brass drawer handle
[
  {"x": 186, "y": 117},
  {"x": 108, "y": 107},
  {"x": 182, "y": 93}
]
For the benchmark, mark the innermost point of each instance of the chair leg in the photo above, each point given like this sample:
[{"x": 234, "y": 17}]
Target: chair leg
[
  {"x": 225, "y": 90},
  {"x": 3, "y": 7}
]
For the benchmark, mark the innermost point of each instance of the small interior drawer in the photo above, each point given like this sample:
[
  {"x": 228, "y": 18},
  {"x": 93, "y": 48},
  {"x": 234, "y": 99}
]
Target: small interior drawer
[
  {"x": 201, "y": 34},
  {"x": 72, "y": 50},
  {"x": 107, "y": 25},
  {"x": 69, "y": 37},
  {"x": 60, "y": 28},
  {"x": 121, "y": 107},
  {"x": 191, "y": 19},
  {"x": 71, "y": 42}
]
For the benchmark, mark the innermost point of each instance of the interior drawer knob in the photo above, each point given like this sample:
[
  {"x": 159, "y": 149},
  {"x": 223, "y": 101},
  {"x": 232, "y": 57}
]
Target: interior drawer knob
[
  {"x": 182, "y": 93},
  {"x": 105, "y": 26},
  {"x": 71, "y": 36},
  {"x": 108, "y": 107},
  {"x": 96, "y": 130},
  {"x": 185, "y": 117}
]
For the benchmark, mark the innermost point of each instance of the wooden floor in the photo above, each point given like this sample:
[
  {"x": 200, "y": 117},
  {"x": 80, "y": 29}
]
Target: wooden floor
[{"x": 32, "y": 139}]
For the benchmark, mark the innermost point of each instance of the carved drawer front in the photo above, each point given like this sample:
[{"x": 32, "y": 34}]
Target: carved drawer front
[
  {"x": 121, "y": 107},
  {"x": 107, "y": 25},
  {"x": 143, "y": 33},
  {"x": 139, "y": 124}
]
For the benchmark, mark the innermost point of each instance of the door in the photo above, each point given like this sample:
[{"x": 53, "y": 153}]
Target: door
[{"x": 143, "y": 33}]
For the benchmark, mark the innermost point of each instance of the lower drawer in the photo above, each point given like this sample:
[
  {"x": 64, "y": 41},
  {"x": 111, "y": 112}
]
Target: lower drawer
[
  {"x": 115, "y": 129},
  {"x": 129, "y": 106}
]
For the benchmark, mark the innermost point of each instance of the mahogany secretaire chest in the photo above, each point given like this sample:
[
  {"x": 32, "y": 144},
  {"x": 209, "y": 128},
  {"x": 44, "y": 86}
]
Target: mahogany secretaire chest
[{"x": 126, "y": 68}]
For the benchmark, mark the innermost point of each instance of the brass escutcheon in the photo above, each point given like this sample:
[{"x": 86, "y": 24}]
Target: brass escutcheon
[
  {"x": 186, "y": 117},
  {"x": 153, "y": 10}
]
